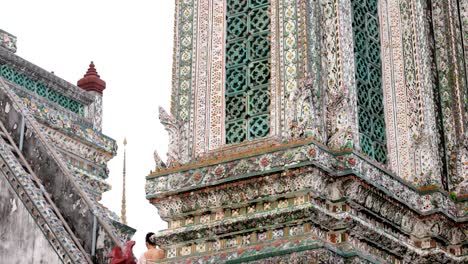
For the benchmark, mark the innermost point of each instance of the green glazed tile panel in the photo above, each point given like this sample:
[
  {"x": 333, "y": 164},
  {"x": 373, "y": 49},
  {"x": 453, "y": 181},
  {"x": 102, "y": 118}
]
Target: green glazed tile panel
[
  {"x": 40, "y": 89},
  {"x": 247, "y": 70},
  {"x": 369, "y": 79}
]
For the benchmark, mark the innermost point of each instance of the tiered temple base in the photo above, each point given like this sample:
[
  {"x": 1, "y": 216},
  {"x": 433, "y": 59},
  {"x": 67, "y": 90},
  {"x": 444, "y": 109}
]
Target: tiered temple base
[{"x": 301, "y": 202}]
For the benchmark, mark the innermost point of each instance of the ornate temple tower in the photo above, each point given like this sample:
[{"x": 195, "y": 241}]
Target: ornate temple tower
[
  {"x": 316, "y": 131},
  {"x": 53, "y": 166}
]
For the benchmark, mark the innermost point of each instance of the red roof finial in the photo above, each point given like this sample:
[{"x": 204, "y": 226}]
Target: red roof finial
[
  {"x": 92, "y": 70},
  {"x": 92, "y": 81}
]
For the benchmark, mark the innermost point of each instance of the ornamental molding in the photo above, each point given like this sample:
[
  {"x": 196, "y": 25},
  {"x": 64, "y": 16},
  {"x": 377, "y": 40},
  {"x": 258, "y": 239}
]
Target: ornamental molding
[
  {"x": 75, "y": 146},
  {"x": 262, "y": 195},
  {"x": 97, "y": 185},
  {"x": 295, "y": 155},
  {"x": 66, "y": 127},
  {"x": 326, "y": 223}
]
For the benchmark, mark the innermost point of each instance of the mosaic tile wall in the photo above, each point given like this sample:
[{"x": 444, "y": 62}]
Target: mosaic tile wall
[
  {"x": 319, "y": 96},
  {"x": 367, "y": 110}
]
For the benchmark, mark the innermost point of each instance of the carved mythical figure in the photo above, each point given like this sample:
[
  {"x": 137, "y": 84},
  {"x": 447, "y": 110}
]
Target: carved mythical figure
[
  {"x": 339, "y": 131},
  {"x": 307, "y": 117},
  {"x": 126, "y": 257},
  {"x": 173, "y": 128},
  {"x": 159, "y": 163}
]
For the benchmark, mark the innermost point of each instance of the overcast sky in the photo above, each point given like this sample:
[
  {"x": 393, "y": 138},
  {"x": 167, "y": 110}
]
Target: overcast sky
[{"x": 131, "y": 44}]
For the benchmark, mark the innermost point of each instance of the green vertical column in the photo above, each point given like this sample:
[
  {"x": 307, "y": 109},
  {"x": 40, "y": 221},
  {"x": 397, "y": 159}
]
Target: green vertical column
[
  {"x": 369, "y": 79},
  {"x": 247, "y": 70}
]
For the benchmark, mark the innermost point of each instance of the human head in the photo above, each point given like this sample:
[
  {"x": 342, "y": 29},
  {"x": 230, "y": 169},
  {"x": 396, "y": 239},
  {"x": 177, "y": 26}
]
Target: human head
[{"x": 150, "y": 239}]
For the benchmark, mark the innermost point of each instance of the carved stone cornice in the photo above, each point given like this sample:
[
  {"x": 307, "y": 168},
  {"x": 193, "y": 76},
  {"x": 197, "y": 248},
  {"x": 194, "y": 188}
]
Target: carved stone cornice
[
  {"x": 312, "y": 182},
  {"x": 321, "y": 219},
  {"x": 188, "y": 178}
]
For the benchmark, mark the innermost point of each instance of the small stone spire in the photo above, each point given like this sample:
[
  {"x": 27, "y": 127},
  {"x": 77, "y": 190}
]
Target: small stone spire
[
  {"x": 124, "y": 202},
  {"x": 91, "y": 81}
]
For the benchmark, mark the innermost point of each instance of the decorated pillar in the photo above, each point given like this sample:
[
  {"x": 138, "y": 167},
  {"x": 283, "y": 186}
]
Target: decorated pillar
[{"x": 93, "y": 83}]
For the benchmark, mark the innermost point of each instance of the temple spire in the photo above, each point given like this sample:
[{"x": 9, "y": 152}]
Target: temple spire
[
  {"x": 124, "y": 204},
  {"x": 91, "y": 81}
]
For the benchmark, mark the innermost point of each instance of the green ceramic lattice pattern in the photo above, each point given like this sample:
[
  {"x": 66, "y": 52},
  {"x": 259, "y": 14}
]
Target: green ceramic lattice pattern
[
  {"x": 247, "y": 70},
  {"x": 40, "y": 89},
  {"x": 369, "y": 79}
]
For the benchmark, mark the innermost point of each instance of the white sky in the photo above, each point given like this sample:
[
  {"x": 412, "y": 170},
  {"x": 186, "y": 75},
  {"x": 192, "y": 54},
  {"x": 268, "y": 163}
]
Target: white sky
[{"x": 131, "y": 44}]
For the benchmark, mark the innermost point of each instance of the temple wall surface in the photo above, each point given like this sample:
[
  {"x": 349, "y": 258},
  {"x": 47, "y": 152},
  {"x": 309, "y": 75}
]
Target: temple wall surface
[{"x": 22, "y": 240}]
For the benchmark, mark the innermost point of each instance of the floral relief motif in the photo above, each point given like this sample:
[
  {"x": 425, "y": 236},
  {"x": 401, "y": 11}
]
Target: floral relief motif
[
  {"x": 171, "y": 252},
  {"x": 186, "y": 250}
]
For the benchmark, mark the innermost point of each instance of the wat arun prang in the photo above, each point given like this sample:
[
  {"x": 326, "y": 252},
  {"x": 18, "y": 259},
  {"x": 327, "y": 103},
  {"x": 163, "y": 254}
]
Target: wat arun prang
[{"x": 316, "y": 131}]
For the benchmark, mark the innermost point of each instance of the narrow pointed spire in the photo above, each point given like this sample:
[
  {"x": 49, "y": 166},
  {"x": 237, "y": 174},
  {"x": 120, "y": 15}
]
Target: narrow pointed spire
[{"x": 124, "y": 202}]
